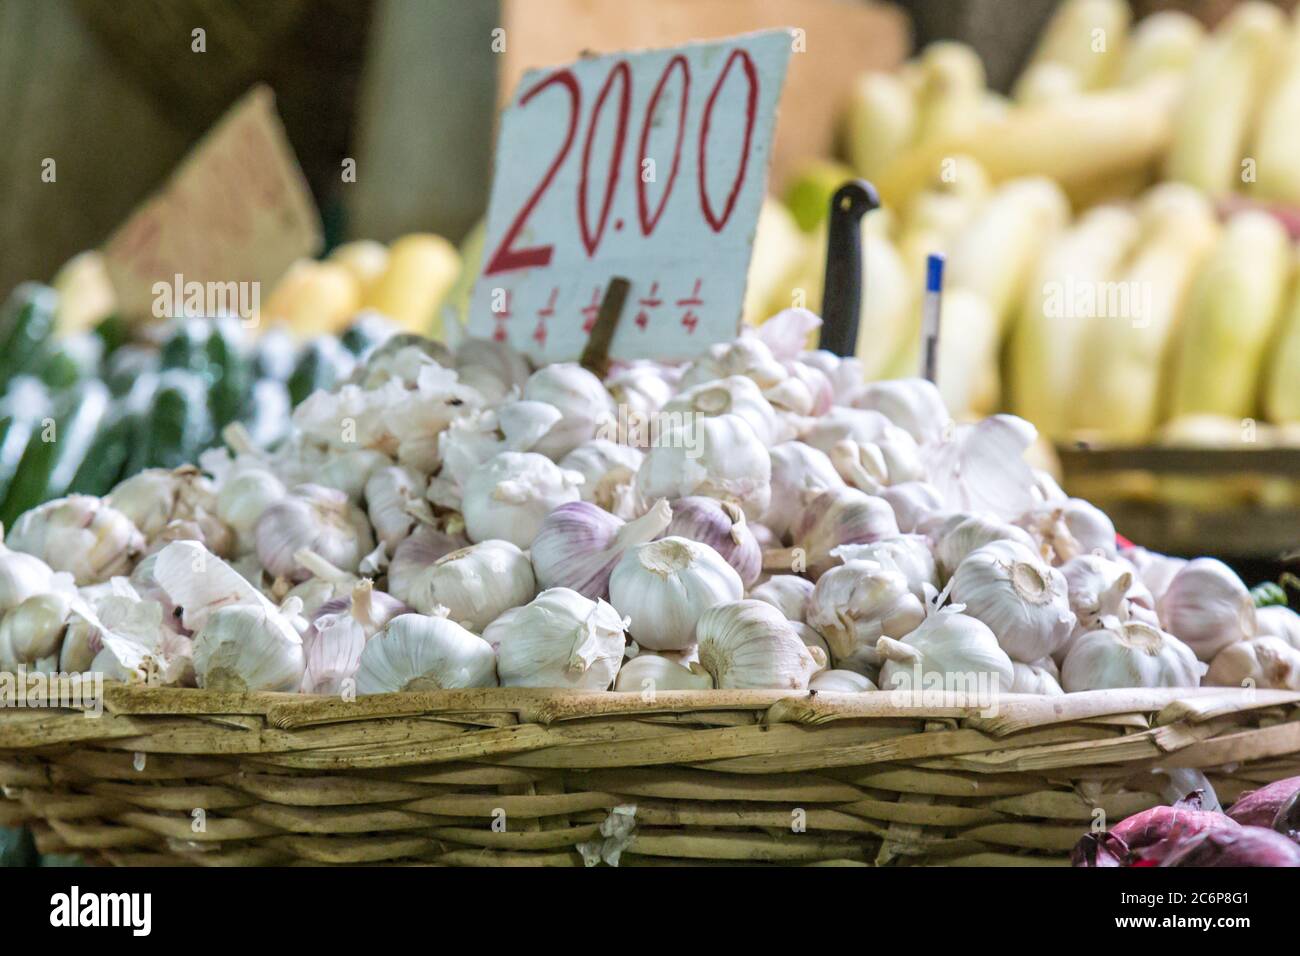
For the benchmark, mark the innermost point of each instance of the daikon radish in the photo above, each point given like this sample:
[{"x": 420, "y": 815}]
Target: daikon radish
[
  {"x": 1225, "y": 86},
  {"x": 952, "y": 90},
  {"x": 1282, "y": 386},
  {"x": 1234, "y": 309},
  {"x": 1088, "y": 37},
  {"x": 1166, "y": 40},
  {"x": 1046, "y": 83},
  {"x": 1119, "y": 381},
  {"x": 880, "y": 122},
  {"x": 313, "y": 298},
  {"x": 967, "y": 373},
  {"x": 996, "y": 252},
  {"x": 1068, "y": 287},
  {"x": 422, "y": 269},
  {"x": 1276, "y": 149}
]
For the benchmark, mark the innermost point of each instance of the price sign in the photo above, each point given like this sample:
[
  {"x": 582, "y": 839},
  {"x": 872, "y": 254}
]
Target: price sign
[
  {"x": 237, "y": 209},
  {"x": 651, "y": 166}
]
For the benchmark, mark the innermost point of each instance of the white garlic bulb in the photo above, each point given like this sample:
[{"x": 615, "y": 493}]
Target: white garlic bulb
[
  {"x": 961, "y": 534},
  {"x": 856, "y": 603},
  {"x": 950, "y": 651},
  {"x": 1128, "y": 654},
  {"x": 834, "y": 518},
  {"x": 749, "y": 645},
  {"x": 909, "y": 554},
  {"x": 1067, "y": 529},
  {"x": 246, "y": 647},
  {"x": 1278, "y": 621},
  {"x": 394, "y": 496},
  {"x": 21, "y": 576},
  {"x": 734, "y": 395},
  {"x": 649, "y": 672},
  {"x": 719, "y": 456},
  {"x": 1023, "y": 601},
  {"x": 81, "y": 535},
  {"x": 339, "y": 630},
  {"x": 317, "y": 518},
  {"x": 509, "y": 495},
  {"x": 1268, "y": 662},
  {"x": 559, "y": 639},
  {"x": 816, "y": 644},
  {"x": 1040, "y": 677},
  {"x": 608, "y": 475},
  {"x": 579, "y": 545},
  {"x": 799, "y": 474},
  {"x": 639, "y": 390},
  {"x": 586, "y": 408},
  {"x": 418, "y": 652},
  {"x": 475, "y": 584},
  {"x": 158, "y": 499},
  {"x": 33, "y": 630},
  {"x": 408, "y": 570},
  {"x": 913, "y": 404},
  {"x": 1100, "y": 587},
  {"x": 1207, "y": 607},
  {"x": 1153, "y": 569},
  {"x": 243, "y": 497},
  {"x": 665, "y": 586},
  {"x": 722, "y": 526},
  {"x": 853, "y": 424},
  {"x": 788, "y": 593},
  {"x": 747, "y": 355},
  {"x": 912, "y": 502},
  {"x": 840, "y": 682},
  {"x": 492, "y": 368}
]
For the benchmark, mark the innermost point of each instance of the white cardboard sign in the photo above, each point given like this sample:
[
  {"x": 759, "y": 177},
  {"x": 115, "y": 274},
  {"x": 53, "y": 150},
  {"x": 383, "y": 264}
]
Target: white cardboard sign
[{"x": 649, "y": 165}]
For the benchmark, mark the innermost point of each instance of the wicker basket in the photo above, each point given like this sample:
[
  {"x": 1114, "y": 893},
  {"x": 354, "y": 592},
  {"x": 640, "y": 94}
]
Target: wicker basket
[{"x": 507, "y": 777}]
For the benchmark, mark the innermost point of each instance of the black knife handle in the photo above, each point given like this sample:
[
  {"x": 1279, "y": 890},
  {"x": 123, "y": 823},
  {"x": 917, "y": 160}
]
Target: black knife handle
[{"x": 842, "y": 290}]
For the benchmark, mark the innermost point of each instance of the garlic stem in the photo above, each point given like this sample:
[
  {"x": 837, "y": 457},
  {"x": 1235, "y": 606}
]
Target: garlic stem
[
  {"x": 645, "y": 528},
  {"x": 321, "y": 568},
  {"x": 897, "y": 651},
  {"x": 363, "y": 608}
]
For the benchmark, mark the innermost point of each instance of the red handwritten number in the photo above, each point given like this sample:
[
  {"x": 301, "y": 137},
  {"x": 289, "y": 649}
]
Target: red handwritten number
[
  {"x": 506, "y": 258},
  {"x": 621, "y": 71},
  {"x": 648, "y": 222},
  {"x": 716, "y": 222}
]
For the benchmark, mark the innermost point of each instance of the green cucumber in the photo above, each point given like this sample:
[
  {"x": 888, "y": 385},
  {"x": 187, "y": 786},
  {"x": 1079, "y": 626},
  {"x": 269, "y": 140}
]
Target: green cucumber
[
  {"x": 114, "y": 332},
  {"x": 127, "y": 365},
  {"x": 122, "y": 431},
  {"x": 186, "y": 347},
  {"x": 275, "y": 356},
  {"x": 179, "y": 425},
  {"x": 368, "y": 332},
  {"x": 323, "y": 364},
  {"x": 229, "y": 370},
  {"x": 26, "y": 323},
  {"x": 21, "y": 411},
  {"x": 266, "y": 416},
  {"x": 72, "y": 360}
]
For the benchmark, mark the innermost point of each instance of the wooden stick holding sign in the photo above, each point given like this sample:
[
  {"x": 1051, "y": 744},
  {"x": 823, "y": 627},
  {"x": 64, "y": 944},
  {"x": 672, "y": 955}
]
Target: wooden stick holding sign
[
  {"x": 595, "y": 357},
  {"x": 842, "y": 288}
]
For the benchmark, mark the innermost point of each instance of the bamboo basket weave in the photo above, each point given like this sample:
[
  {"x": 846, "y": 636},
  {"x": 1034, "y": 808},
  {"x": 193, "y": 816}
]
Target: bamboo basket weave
[{"x": 506, "y": 777}]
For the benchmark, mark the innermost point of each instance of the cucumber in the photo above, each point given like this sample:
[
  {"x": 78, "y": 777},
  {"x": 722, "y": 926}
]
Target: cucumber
[
  {"x": 323, "y": 364},
  {"x": 56, "y": 449},
  {"x": 21, "y": 411},
  {"x": 127, "y": 365},
  {"x": 186, "y": 347},
  {"x": 26, "y": 323},
  {"x": 178, "y": 426},
  {"x": 122, "y": 430},
  {"x": 266, "y": 416},
  {"x": 72, "y": 360},
  {"x": 275, "y": 356},
  {"x": 114, "y": 332},
  {"x": 368, "y": 332},
  {"x": 229, "y": 371}
]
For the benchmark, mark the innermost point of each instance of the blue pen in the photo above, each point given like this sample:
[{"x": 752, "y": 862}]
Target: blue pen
[{"x": 930, "y": 315}]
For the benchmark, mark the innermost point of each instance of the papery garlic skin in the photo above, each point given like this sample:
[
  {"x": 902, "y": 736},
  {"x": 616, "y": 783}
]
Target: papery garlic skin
[
  {"x": 854, "y": 604},
  {"x": 1100, "y": 587},
  {"x": 243, "y": 647},
  {"x": 157, "y": 498},
  {"x": 1129, "y": 654},
  {"x": 586, "y": 408},
  {"x": 1278, "y": 621},
  {"x": 243, "y": 498},
  {"x": 909, "y": 554},
  {"x": 1022, "y": 600},
  {"x": 720, "y": 457},
  {"x": 1207, "y": 607},
  {"x": 913, "y": 404},
  {"x": 734, "y": 395},
  {"x": 840, "y": 682},
  {"x": 837, "y": 517},
  {"x": 1040, "y": 677},
  {"x": 961, "y": 535},
  {"x": 749, "y": 645},
  {"x": 393, "y": 497},
  {"x": 475, "y": 584},
  {"x": 508, "y": 496},
  {"x": 609, "y": 475},
  {"x": 1067, "y": 529},
  {"x": 721, "y": 525},
  {"x": 409, "y": 567},
  {"x": 912, "y": 501},
  {"x": 649, "y": 672},
  {"x": 799, "y": 474},
  {"x": 559, "y": 639},
  {"x": 665, "y": 586},
  {"x": 317, "y": 518},
  {"x": 788, "y": 593},
  {"x": 339, "y": 630},
  {"x": 1268, "y": 662},
  {"x": 579, "y": 545},
  {"x": 949, "y": 650},
  {"x": 416, "y": 652},
  {"x": 81, "y": 535}
]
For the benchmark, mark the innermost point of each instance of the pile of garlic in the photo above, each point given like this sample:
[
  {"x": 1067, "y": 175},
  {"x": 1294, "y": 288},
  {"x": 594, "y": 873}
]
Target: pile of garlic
[{"x": 757, "y": 518}]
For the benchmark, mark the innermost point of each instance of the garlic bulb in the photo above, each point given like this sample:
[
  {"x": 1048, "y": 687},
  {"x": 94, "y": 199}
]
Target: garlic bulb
[
  {"x": 1067, "y": 529},
  {"x": 585, "y": 406},
  {"x": 799, "y": 474},
  {"x": 1207, "y": 607},
  {"x": 1277, "y": 621},
  {"x": 21, "y": 576},
  {"x": 840, "y": 682},
  {"x": 981, "y": 468},
  {"x": 909, "y": 554},
  {"x": 508, "y": 496},
  {"x": 734, "y": 395},
  {"x": 1100, "y": 587},
  {"x": 475, "y": 584},
  {"x": 1023, "y": 601},
  {"x": 578, "y": 545},
  {"x": 314, "y": 517},
  {"x": 1263, "y": 662},
  {"x": 816, "y": 644},
  {"x": 721, "y": 525},
  {"x": 1129, "y": 654},
  {"x": 1040, "y": 677},
  {"x": 650, "y": 672},
  {"x": 157, "y": 498},
  {"x": 639, "y": 390},
  {"x": 720, "y": 457},
  {"x": 411, "y": 561},
  {"x": 748, "y": 644},
  {"x": 963, "y": 534},
  {"x": 339, "y": 630},
  {"x": 950, "y": 651},
  {"x": 492, "y": 368},
  {"x": 608, "y": 474},
  {"x": 33, "y": 630},
  {"x": 873, "y": 466},
  {"x": 559, "y": 639},
  {"x": 1155, "y": 570},
  {"x": 747, "y": 355},
  {"x": 913, "y": 404},
  {"x": 665, "y": 586},
  {"x": 856, "y": 603},
  {"x": 837, "y": 517},
  {"x": 246, "y": 647},
  {"x": 81, "y": 535},
  {"x": 243, "y": 497},
  {"x": 846, "y": 374},
  {"x": 788, "y": 593},
  {"x": 394, "y": 496},
  {"x": 912, "y": 501},
  {"x": 416, "y": 652}
]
